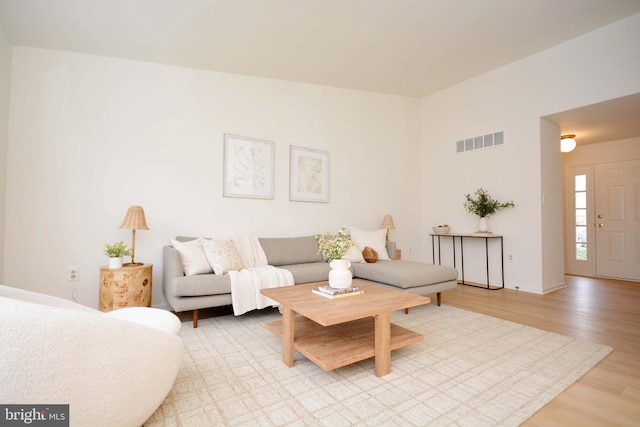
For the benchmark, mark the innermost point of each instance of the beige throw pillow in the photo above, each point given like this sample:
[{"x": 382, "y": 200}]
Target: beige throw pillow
[
  {"x": 376, "y": 239},
  {"x": 354, "y": 254},
  {"x": 192, "y": 256},
  {"x": 222, "y": 255}
]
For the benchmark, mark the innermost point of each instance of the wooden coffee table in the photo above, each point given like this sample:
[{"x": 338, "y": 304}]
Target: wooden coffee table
[{"x": 337, "y": 332}]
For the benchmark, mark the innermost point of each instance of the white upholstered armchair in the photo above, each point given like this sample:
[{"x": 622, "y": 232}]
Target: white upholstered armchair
[{"x": 113, "y": 369}]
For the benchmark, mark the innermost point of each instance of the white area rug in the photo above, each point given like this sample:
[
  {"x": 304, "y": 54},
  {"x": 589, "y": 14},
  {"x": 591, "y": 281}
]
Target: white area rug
[{"x": 470, "y": 370}]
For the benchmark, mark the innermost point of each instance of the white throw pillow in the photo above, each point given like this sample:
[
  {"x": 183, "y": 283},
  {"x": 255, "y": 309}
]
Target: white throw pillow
[
  {"x": 354, "y": 254},
  {"x": 376, "y": 239},
  {"x": 222, "y": 255},
  {"x": 192, "y": 256}
]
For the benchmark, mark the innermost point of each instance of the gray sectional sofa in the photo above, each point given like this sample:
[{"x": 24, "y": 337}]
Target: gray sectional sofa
[{"x": 300, "y": 256}]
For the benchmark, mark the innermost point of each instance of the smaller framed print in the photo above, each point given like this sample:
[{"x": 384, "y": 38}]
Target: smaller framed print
[
  {"x": 248, "y": 167},
  {"x": 308, "y": 175}
]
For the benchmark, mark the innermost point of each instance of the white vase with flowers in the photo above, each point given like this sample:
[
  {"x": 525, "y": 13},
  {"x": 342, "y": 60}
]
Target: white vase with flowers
[{"x": 333, "y": 248}]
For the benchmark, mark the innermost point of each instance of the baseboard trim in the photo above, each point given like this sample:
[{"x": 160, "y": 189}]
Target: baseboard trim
[{"x": 557, "y": 287}]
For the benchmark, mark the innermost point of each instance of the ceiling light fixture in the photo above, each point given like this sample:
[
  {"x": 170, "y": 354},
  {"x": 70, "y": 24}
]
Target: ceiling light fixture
[{"x": 567, "y": 143}]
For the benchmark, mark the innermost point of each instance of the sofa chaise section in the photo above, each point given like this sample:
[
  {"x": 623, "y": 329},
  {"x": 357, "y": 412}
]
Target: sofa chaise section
[{"x": 414, "y": 277}]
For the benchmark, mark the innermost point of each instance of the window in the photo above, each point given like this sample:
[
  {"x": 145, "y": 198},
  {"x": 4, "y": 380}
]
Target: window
[
  {"x": 580, "y": 188},
  {"x": 579, "y": 238}
]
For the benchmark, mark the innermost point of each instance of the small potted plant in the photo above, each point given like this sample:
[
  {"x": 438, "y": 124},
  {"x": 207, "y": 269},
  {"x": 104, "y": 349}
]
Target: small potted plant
[
  {"x": 115, "y": 253},
  {"x": 484, "y": 206},
  {"x": 333, "y": 248}
]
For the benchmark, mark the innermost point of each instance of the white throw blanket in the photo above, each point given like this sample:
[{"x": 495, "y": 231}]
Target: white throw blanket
[{"x": 257, "y": 274}]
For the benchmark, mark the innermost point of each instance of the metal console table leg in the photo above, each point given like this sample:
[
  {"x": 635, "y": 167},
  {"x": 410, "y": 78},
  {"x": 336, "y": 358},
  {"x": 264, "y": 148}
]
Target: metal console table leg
[{"x": 486, "y": 249}]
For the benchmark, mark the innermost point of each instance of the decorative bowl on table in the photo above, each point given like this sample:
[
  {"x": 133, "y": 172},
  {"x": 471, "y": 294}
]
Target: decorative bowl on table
[{"x": 441, "y": 229}]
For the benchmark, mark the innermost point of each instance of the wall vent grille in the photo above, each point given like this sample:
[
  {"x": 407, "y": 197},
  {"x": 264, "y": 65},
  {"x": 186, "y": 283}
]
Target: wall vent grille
[{"x": 490, "y": 140}]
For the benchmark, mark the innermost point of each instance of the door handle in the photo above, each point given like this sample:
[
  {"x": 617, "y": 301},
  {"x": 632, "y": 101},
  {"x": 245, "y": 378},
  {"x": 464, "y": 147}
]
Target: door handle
[
  {"x": 599, "y": 216},
  {"x": 600, "y": 225}
]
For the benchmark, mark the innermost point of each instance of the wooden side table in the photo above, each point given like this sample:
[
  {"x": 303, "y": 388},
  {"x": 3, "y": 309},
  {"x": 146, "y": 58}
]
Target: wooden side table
[{"x": 128, "y": 286}]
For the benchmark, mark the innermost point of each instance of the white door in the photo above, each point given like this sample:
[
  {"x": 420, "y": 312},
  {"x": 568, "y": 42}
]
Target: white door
[{"x": 617, "y": 219}]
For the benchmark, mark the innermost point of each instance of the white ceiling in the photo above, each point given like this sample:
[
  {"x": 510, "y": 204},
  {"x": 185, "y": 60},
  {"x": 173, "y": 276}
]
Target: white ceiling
[
  {"x": 605, "y": 121},
  {"x": 405, "y": 47}
]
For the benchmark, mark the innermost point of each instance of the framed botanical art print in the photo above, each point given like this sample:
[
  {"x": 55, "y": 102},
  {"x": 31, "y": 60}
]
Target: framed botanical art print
[
  {"x": 248, "y": 167},
  {"x": 308, "y": 175}
]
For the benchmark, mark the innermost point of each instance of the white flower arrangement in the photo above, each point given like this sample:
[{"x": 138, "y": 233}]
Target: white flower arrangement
[{"x": 332, "y": 246}]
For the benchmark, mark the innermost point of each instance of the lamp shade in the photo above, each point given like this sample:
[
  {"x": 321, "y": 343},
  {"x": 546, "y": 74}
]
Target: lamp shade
[
  {"x": 567, "y": 143},
  {"x": 387, "y": 223},
  {"x": 134, "y": 220}
]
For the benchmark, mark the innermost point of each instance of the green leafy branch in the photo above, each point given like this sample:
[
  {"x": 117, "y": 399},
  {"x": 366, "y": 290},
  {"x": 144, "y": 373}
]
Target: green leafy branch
[{"x": 484, "y": 205}]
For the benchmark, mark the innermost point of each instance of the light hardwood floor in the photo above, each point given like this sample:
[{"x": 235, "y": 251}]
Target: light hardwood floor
[{"x": 596, "y": 310}]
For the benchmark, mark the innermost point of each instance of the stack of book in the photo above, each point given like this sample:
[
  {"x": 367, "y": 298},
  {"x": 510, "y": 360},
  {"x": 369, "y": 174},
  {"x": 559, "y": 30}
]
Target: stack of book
[{"x": 329, "y": 292}]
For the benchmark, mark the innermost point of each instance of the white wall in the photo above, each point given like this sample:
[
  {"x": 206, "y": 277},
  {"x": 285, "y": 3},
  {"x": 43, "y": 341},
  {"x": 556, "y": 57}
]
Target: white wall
[
  {"x": 605, "y": 152},
  {"x": 551, "y": 208},
  {"x": 598, "y": 66},
  {"x": 5, "y": 78},
  {"x": 90, "y": 136}
]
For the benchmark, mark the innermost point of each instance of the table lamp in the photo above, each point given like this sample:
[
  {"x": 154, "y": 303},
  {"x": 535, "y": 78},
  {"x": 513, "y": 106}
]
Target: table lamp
[
  {"x": 134, "y": 220},
  {"x": 387, "y": 223}
]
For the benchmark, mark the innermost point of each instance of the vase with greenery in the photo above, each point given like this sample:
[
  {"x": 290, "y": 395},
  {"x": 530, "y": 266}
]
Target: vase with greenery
[
  {"x": 333, "y": 248},
  {"x": 483, "y": 205},
  {"x": 115, "y": 253}
]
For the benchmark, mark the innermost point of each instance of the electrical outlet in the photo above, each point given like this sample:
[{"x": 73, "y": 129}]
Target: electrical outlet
[
  {"x": 510, "y": 257},
  {"x": 72, "y": 275}
]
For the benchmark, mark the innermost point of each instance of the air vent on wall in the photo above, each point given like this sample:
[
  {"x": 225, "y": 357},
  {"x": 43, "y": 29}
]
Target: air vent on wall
[{"x": 480, "y": 142}]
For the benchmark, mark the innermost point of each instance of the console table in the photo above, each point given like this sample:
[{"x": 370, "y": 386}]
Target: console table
[{"x": 486, "y": 237}]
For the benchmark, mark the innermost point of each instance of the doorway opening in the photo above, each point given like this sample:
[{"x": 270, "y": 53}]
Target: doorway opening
[{"x": 603, "y": 220}]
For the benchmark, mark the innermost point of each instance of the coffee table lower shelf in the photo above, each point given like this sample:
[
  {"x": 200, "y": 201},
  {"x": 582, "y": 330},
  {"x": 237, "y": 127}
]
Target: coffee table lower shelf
[{"x": 332, "y": 347}]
